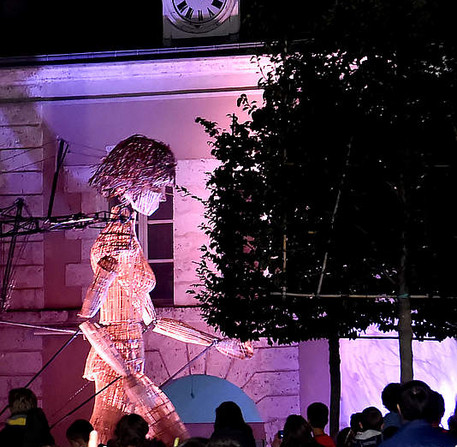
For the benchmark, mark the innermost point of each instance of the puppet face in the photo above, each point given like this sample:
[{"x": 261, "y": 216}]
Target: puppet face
[
  {"x": 136, "y": 171},
  {"x": 147, "y": 202}
]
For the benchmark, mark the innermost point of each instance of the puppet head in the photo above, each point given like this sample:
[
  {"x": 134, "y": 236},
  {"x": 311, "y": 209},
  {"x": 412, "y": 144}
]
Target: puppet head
[{"x": 136, "y": 171}]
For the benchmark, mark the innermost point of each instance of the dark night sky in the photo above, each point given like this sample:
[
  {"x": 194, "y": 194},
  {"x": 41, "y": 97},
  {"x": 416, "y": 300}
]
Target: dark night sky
[
  {"x": 33, "y": 27},
  {"x": 30, "y": 27}
]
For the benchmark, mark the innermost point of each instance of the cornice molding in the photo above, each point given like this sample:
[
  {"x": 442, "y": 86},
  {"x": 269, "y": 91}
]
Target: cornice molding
[{"x": 102, "y": 81}]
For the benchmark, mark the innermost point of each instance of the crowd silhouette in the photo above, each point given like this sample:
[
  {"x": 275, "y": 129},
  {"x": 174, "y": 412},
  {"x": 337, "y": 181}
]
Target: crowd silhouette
[{"x": 413, "y": 419}]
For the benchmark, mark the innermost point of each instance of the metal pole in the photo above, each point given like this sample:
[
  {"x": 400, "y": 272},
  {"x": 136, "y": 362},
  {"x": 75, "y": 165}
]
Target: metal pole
[{"x": 9, "y": 262}]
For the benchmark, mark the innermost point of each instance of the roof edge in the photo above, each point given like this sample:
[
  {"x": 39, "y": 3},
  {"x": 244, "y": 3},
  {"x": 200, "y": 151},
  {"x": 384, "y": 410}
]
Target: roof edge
[{"x": 139, "y": 54}]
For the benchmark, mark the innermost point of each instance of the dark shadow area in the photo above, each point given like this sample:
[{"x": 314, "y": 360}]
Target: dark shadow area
[{"x": 29, "y": 27}]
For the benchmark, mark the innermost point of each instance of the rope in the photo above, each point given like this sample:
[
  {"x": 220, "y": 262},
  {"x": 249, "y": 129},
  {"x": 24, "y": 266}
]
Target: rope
[
  {"x": 19, "y": 256},
  {"x": 53, "y": 357},
  {"x": 186, "y": 365},
  {"x": 84, "y": 403},
  {"x": 70, "y": 399},
  {"x": 33, "y": 326}
]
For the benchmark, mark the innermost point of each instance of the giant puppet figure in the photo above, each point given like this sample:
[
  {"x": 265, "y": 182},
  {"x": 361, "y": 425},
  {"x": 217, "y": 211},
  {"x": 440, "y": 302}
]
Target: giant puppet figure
[{"x": 135, "y": 172}]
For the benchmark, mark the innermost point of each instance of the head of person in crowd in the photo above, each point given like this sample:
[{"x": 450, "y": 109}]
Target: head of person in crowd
[
  {"x": 297, "y": 431},
  {"x": 21, "y": 400},
  {"x": 356, "y": 422},
  {"x": 130, "y": 431},
  {"x": 317, "y": 414},
  {"x": 229, "y": 423},
  {"x": 27, "y": 425},
  {"x": 345, "y": 437},
  {"x": 390, "y": 396},
  {"x": 371, "y": 419},
  {"x": 414, "y": 400},
  {"x": 436, "y": 409},
  {"x": 392, "y": 420},
  {"x": 78, "y": 433},
  {"x": 294, "y": 424},
  {"x": 229, "y": 415},
  {"x": 452, "y": 423}
]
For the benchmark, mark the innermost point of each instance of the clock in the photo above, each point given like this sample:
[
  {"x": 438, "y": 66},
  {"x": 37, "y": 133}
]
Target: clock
[{"x": 200, "y": 18}]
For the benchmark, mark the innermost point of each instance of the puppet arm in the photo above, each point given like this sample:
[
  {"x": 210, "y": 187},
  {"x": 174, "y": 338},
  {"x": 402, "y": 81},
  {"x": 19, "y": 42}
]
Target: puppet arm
[
  {"x": 106, "y": 271},
  {"x": 186, "y": 333},
  {"x": 101, "y": 341}
]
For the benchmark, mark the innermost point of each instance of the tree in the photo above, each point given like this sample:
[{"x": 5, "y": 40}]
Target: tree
[{"x": 340, "y": 184}]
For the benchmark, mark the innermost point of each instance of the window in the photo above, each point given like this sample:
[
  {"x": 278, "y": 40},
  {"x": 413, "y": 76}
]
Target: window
[{"x": 156, "y": 237}]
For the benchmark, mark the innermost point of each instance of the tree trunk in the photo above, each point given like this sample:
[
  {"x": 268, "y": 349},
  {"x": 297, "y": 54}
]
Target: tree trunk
[
  {"x": 335, "y": 383},
  {"x": 405, "y": 339},
  {"x": 405, "y": 329}
]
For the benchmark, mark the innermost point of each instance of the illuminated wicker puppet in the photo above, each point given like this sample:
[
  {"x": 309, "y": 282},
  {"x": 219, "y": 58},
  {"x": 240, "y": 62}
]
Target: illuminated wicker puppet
[{"x": 136, "y": 172}]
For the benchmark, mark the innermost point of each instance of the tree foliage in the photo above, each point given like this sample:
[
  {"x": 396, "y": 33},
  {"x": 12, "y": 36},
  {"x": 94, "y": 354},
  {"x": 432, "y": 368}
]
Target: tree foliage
[{"x": 340, "y": 183}]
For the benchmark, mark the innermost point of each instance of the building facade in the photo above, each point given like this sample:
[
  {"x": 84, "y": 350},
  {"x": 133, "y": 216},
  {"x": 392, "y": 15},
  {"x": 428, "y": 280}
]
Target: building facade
[
  {"x": 88, "y": 107},
  {"x": 91, "y": 107}
]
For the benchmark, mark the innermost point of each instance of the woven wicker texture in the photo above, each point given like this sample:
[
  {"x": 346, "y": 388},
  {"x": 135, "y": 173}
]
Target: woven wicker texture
[{"x": 136, "y": 171}]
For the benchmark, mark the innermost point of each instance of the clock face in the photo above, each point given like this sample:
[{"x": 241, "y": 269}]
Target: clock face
[{"x": 200, "y": 15}]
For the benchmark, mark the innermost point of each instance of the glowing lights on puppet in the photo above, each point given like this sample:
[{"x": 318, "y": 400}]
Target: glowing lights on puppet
[{"x": 117, "y": 343}]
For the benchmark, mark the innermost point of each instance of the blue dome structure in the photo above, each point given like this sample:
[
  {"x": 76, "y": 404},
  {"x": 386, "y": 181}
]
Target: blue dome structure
[{"x": 196, "y": 398}]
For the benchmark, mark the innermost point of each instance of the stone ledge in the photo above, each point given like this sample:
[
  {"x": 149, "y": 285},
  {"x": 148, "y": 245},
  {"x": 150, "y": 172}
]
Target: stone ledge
[{"x": 123, "y": 78}]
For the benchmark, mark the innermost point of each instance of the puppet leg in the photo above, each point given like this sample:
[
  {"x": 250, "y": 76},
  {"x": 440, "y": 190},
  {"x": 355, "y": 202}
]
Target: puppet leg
[
  {"x": 106, "y": 367},
  {"x": 110, "y": 405},
  {"x": 133, "y": 391},
  {"x": 155, "y": 407}
]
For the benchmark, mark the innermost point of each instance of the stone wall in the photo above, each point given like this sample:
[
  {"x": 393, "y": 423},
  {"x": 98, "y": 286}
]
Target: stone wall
[
  {"x": 21, "y": 175},
  {"x": 270, "y": 378}
]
